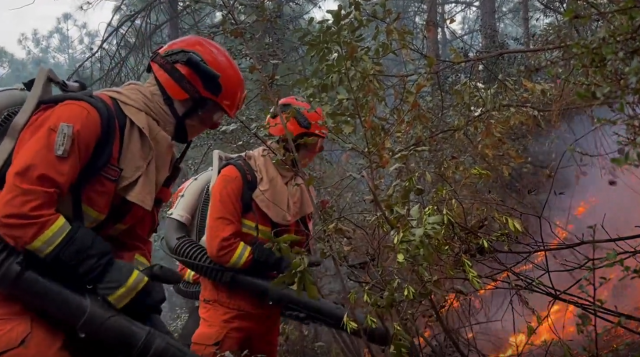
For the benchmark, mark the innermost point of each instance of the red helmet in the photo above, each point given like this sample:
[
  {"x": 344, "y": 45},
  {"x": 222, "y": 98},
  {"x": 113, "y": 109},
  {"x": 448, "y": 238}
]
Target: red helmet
[
  {"x": 193, "y": 67},
  {"x": 299, "y": 117}
]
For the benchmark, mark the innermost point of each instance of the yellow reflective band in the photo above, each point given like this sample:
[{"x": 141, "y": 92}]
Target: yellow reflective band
[
  {"x": 126, "y": 292},
  {"x": 91, "y": 216},
  {"x": 249, "y": 227},
  {"x": 48, "y": 240},
  {"x": 118, "y": 228},
  {"x": 240, "y": 257},
  {"x": 189, "y": 276},
  {"x": 140, "y": 262}
]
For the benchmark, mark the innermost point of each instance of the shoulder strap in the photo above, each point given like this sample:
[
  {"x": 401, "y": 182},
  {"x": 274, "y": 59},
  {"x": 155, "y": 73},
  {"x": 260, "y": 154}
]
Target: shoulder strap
[
  {"x": 121, "y": 118},
  {"x": 111, "y": 119},
  {"x": 114, "y": 216},
  {"x": 102, "y": 152},
  {"x": 249, "y": 181}
]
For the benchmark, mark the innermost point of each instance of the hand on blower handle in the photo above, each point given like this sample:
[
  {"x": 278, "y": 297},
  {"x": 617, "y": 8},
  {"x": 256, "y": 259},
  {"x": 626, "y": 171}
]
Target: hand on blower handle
[
  {"x": 266, "y": 259},
  {"x": 85, "y": 256},
  {"x": 131, "y": 291}
]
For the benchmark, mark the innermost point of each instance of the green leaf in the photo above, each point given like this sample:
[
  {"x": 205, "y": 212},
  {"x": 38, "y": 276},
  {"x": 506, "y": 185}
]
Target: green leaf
[
  {"x": 310, "y": 181},
  {"x": 288, "y": 238},
  {"x": 312, "y": 291},
  {"x": 418, "y": 232},
  {"x": 347, "y": 128},
  {"x": 431, "y": 61},
  {"x": 415, "y": 211},
  {"x": 371, "y": 321},
  {"x": 352, "y": 297},
  {"x": 569, "y": 13},
  {"x": 336, "y": 15},
  {"x": 618, "y": 161},
  {"x": 400, "y": 257},
  {"x": 530, "y": 331},
  {"x": 518, "y": 225}
]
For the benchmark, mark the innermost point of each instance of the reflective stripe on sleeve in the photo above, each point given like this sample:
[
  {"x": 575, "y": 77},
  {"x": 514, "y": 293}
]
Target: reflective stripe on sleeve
[
  {"x": 250, "y": 228},
  {"x": 91, "y": 216},
  {"x": 240, "y": 256},
  {"x": 48, "y": 240},
  {"x": 140, "y": 262},
  {"x": 126, "y": 292},
  {"x": 118, "y": 228},
  {"x": 189, "y": 276}
]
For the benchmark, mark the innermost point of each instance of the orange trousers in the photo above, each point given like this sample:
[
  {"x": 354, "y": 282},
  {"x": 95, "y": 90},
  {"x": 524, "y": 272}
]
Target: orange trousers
[
  {"x": 223, "y": 329},
  {"x": 22, "y": 334}
]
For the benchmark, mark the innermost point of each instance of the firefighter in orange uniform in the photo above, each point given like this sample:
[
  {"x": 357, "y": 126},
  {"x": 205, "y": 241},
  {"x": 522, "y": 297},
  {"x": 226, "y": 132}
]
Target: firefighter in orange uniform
[
  {"x": 102, "y": 242},
  {"x": 237, "y": 322}
]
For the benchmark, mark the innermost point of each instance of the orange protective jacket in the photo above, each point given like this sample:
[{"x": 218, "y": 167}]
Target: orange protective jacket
[
  {"x": 37, "y": 182},
  {"x": 230, "y": 236}
]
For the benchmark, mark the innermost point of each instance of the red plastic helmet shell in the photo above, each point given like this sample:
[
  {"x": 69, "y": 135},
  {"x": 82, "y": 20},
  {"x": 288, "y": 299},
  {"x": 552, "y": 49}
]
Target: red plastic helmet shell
[
  {"x": 218, "y": 59},
  {"x": 296, "y": 125}
]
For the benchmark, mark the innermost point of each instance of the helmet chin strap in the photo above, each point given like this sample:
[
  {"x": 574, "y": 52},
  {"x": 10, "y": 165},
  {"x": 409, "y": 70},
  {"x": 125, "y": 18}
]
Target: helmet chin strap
[{"x": 180, "y": 134}]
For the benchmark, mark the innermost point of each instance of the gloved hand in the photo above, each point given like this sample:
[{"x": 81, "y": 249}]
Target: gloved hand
[
  {"x": 131, "y": 291},
  {"x": 266, "y": 260},
  {"x": 162, "y": 274},
  {"x": 83, "y": 259}
]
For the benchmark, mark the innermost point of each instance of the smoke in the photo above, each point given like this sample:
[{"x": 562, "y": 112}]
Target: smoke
[{"x": 588, "y": 199}]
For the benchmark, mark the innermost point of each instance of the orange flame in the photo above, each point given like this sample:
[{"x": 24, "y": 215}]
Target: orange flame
[
  {"x": 560, "y": 314},
  {"x": 552, "y": 326}
]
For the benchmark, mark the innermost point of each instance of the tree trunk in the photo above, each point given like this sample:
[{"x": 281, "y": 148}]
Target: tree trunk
[
  {"x": 174, "y": 20},
  {"x": 526, "y": 37},
  {"x": 431, "y": 30},
  {"x": 526, "y": 29},
  {"x": 489, "y": 36},
  {"x": 444, "y": 39}
]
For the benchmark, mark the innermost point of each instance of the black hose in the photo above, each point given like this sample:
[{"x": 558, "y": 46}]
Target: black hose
[
  {"x": 187, "y": 290},
  {"x": 86, "y": 315}
]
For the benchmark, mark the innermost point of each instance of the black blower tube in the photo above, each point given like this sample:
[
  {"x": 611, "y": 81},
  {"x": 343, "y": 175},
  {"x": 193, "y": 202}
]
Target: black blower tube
[
  {"x": 86, "y": 315},
  {"x": 194, "y": 256}
]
